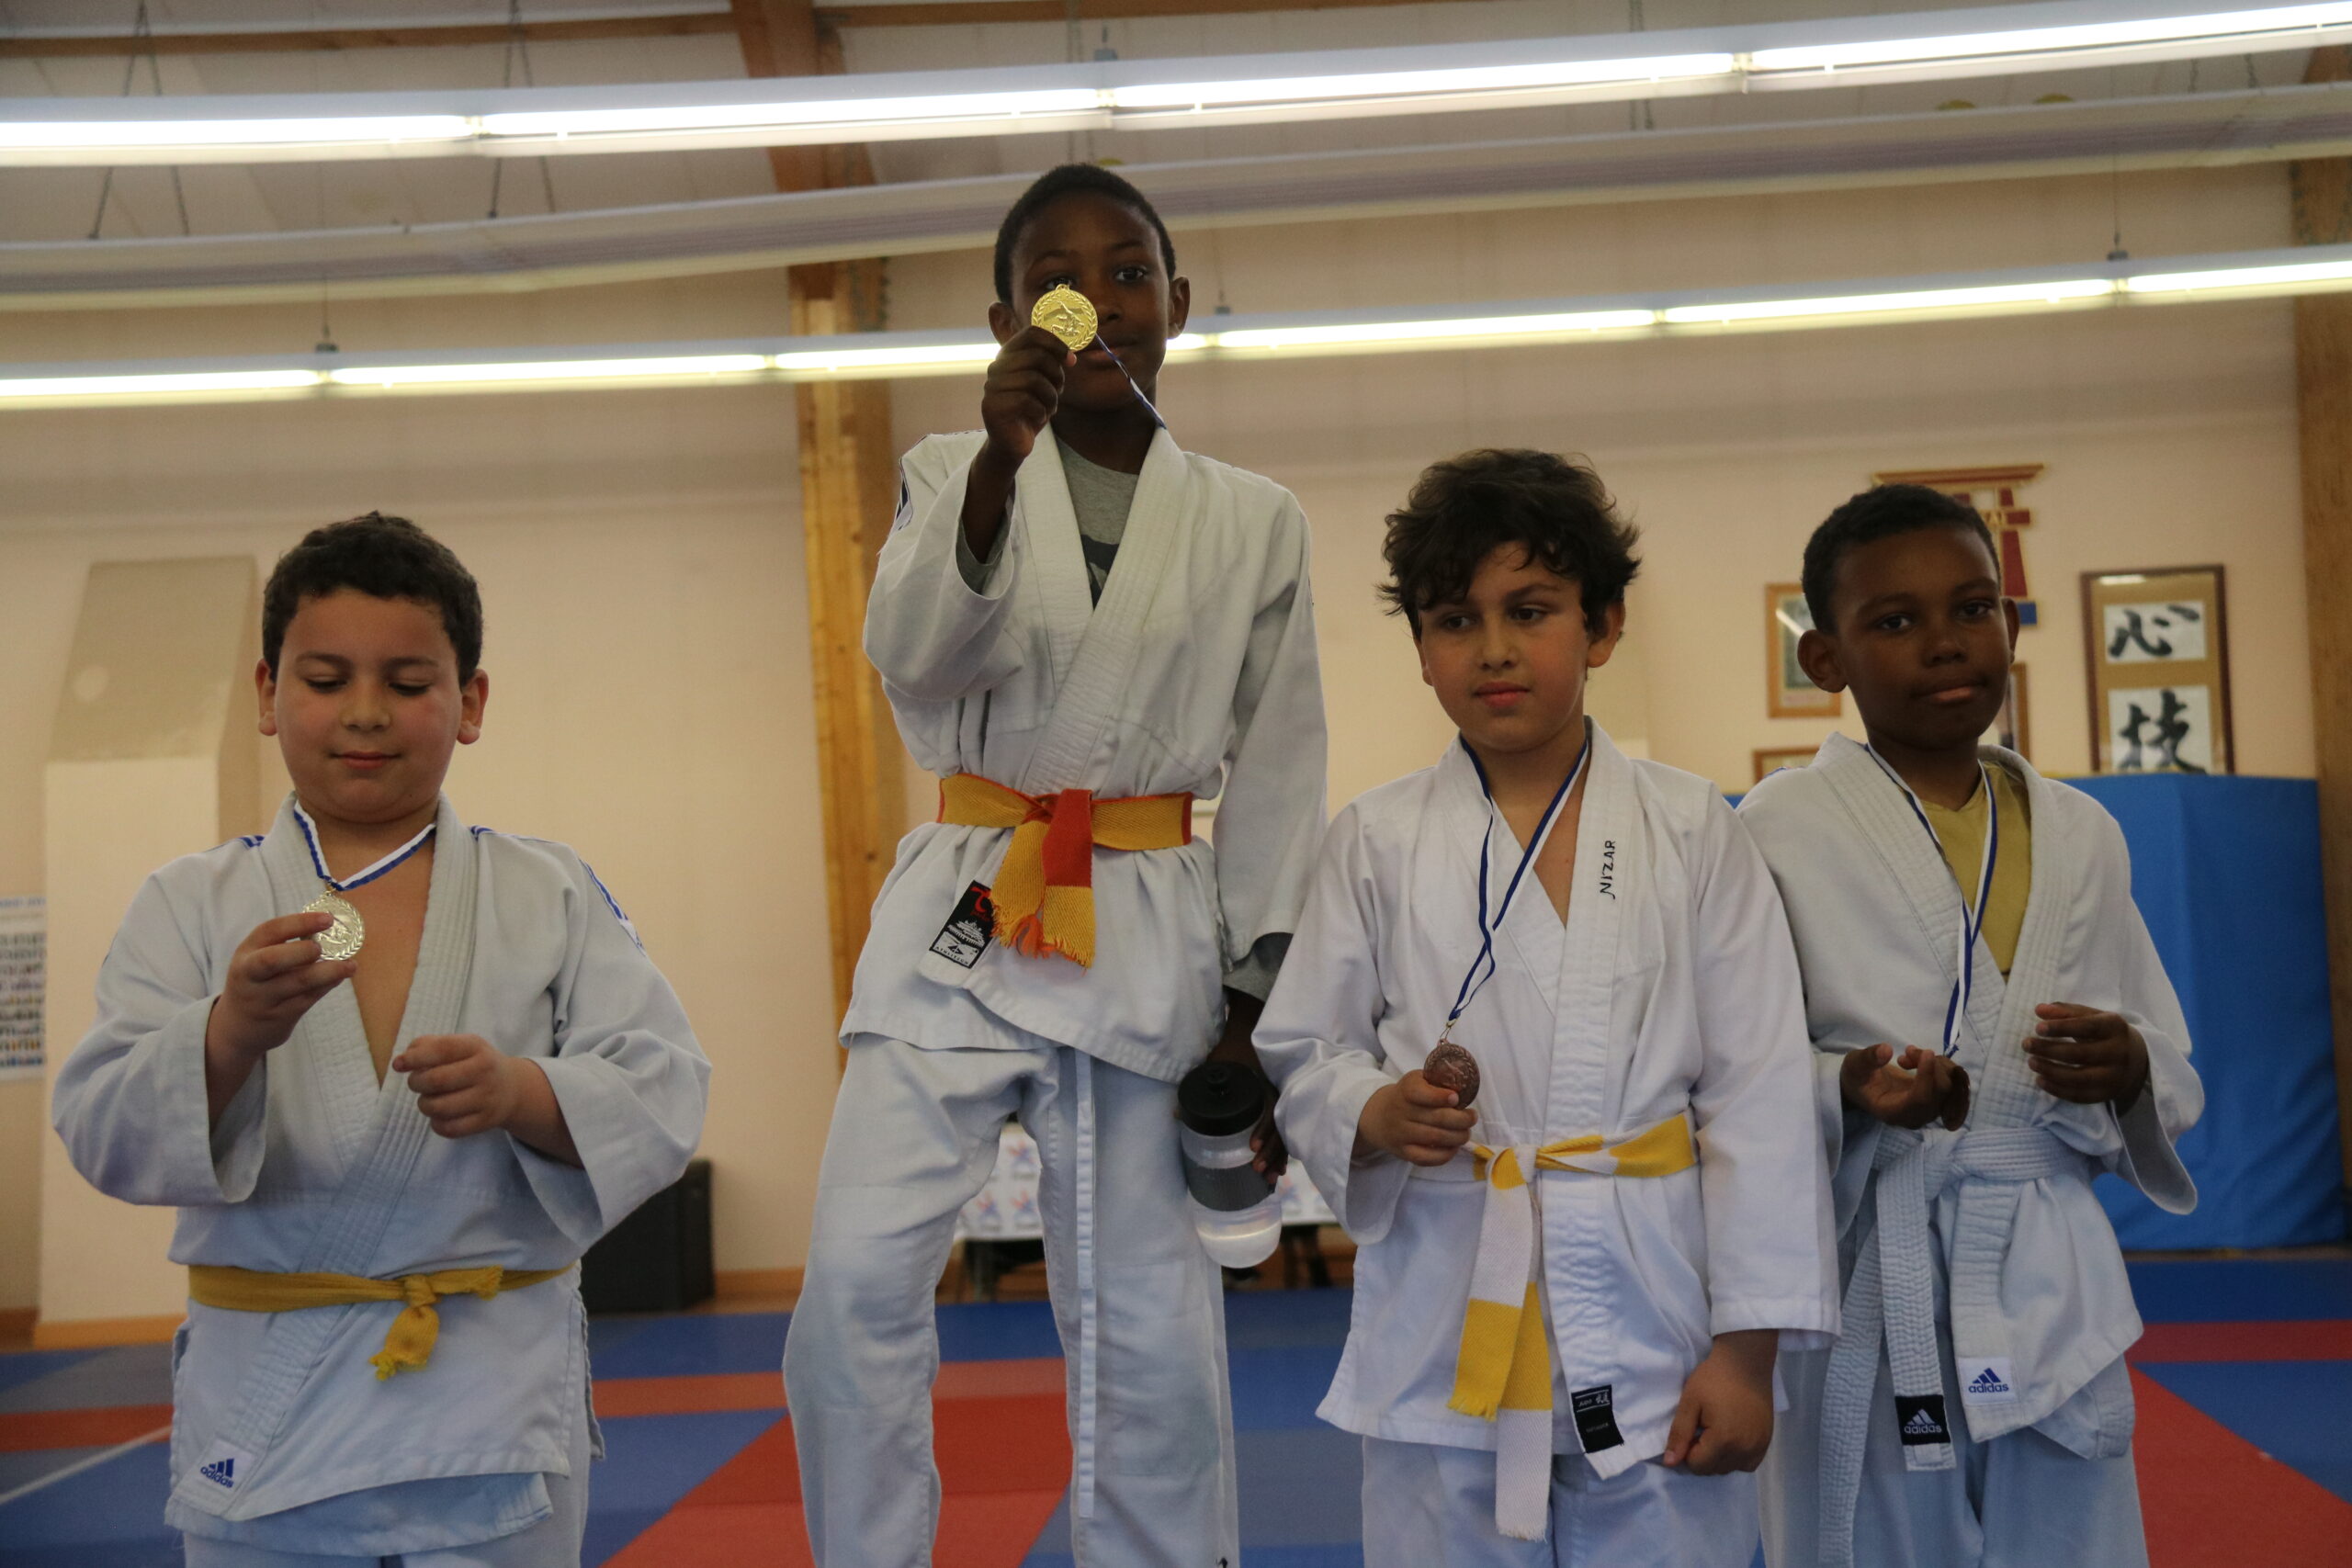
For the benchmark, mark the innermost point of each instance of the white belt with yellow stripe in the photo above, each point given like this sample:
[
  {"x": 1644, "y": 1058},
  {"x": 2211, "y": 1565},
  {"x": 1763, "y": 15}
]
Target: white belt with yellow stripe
[{"x": 1504, "y": 1371}]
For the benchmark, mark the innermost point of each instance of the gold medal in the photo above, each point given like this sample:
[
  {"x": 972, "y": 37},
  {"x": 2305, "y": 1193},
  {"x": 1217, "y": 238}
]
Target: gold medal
[
  {"x": 1068, "y": 314},
  {"x": 343, "y": 939}
]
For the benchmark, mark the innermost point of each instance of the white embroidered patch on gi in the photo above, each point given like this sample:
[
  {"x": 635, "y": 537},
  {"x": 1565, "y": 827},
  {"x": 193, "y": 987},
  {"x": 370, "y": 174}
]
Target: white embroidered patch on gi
[{"x": 1988, "y": 1382}]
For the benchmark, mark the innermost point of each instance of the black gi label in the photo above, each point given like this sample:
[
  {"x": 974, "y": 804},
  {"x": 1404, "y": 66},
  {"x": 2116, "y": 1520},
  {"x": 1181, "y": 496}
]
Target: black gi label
[
  {"x": 969, "y": 929},
  {"x": 1595, "y": 1421},
  {"x": 1920, "y": 1418}
]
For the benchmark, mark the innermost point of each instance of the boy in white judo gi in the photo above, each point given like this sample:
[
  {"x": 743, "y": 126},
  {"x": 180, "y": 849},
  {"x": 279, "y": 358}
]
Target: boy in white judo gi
[
  {"x": 1571, "y": 1286},
  {"x": 397, "y": 1074},
  {"x": 1081, "y": 628},
  {"x": 1993, "y": 1030}
]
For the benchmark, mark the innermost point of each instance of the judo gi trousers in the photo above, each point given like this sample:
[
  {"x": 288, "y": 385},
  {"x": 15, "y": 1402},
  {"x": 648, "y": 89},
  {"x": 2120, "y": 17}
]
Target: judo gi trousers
[
  {"x": 914, "y": 1137},
  {"x": 553, "y": 1542},
  {"x": 2020, "y": 1501},
  {"x": 1428, "y": 1506}
]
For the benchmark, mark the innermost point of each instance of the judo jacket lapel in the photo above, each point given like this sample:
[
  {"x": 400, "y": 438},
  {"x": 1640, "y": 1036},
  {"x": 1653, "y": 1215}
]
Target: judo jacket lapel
[
  {"x": 1095, "y": 680},
  {"x": 350, "y": 1227}
]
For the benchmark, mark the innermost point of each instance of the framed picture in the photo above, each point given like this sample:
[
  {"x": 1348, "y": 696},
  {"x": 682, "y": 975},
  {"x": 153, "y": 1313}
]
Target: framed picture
[
  {"x": 1770, "y": 759},
  {"x": 1790, "y": 694},
  {"x": 2158, "y": 646}
]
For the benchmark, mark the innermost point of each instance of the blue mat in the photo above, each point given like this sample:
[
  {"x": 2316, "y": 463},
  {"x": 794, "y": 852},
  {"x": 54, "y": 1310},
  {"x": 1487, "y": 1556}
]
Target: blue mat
[{"x": 2226, "y": 874}]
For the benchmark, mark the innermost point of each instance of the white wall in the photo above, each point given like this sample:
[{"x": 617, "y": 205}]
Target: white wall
[{"x": 640, "y": 558}]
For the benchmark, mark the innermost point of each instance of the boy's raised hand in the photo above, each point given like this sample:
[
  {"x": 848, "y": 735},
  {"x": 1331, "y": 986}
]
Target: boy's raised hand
[
  {"x": 275, "y": 976},
  {"x": 1414, "y": 1120},
  {"x": 465, "y": 1084},
  {"x": 1024, "y": 387},
  {"x": 2085, "y": 1056},
  {"x": 1724, "y": 1422},
  {"x": 1919, "y": 1088}
]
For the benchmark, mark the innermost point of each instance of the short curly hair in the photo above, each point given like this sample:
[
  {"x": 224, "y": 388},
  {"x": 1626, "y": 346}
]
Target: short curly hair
[
  {"x": 1072, "y": 179},
  {"x": 1877, "y": 514},
  {"x": 1462, "y": 509},
  {"x": 385, "y": 557}
]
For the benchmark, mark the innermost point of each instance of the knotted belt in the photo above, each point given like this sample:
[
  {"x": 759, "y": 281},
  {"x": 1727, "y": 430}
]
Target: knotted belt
[
  {"x": 1892, "y": 1298},
  {"x": 1045, "y": 890},
  {"x": 408, "y": 1346},
  {"x": 1504, "y": 1371}
]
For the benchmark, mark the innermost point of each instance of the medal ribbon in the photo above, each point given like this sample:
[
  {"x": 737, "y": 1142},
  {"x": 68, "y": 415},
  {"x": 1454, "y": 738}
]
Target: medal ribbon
[
  {"x": 1972, "y": 922},
  {"x": 1475, "y": 981},
  {"x": 382, "y": 867}
]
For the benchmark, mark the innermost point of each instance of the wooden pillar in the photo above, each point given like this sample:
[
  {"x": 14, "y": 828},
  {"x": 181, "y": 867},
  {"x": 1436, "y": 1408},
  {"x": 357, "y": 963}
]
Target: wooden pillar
[
  {"x": 848, "y": 491},
  {"x": 2322, "y": 211}
]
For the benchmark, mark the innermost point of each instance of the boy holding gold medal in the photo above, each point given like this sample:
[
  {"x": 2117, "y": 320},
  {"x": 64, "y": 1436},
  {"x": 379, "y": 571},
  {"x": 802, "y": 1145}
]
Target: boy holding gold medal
[
  {"x": 1542, "y": 1046},
  {"x": 1081, "y": 628}
]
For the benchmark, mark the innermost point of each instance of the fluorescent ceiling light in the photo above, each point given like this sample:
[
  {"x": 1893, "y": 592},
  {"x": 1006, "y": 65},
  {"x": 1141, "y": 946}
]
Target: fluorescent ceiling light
[
  {"x": 950, "y": 355},
  {"x": 2236, "y": 27},
  {"x": 2267, "y": 279},
  {"x": 549, "y": 371},
  {"x": 1909, "y": 302},
  {"x": 193, "y": 383},
  {"x": 1561, "y": 325},
  {"x": 875, "y": 356},
  {"x": 1410, "y": 84},
  {"x": 35, "y": 135},
  {"x": 1233, "y": 90},
  {"x": 948, "y": 106}
]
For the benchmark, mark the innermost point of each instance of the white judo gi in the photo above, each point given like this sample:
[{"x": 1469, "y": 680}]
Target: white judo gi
[
  {"x": 1984, "y": 1279},
  {"x": 1196, "y": 672},
  {"x": 1670, "y": 992},
  {"x": 283, "y": 1438}
]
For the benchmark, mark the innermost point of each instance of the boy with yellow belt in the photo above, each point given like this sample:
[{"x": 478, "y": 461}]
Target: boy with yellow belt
[
  {"x": 397, "y": 1074},
  {"x": 1081, "y": 626},
  {"x": 1582, "y": 1241}
]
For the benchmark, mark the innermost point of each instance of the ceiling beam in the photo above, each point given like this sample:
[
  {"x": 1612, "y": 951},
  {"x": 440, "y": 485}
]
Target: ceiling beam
[{"x": 908, "y": 14}]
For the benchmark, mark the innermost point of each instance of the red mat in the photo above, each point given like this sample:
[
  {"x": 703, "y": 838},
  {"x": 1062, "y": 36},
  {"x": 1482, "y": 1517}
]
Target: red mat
[
  {"x": 1003, "y": 1461},
  {"x": 2210, "y": 1499}
]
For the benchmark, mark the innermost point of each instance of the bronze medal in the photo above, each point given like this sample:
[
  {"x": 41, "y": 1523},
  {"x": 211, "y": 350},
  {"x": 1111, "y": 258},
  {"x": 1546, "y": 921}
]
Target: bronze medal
[{"x": 1451, "y": 1066}]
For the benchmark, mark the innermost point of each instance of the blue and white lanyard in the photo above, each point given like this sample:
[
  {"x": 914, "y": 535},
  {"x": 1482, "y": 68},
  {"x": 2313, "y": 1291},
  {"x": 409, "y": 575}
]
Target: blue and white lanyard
[
  {"x": 1972, "y": 922},
  {"x": 382, "y": 867},
  {"x": 1474, "y": 982}
]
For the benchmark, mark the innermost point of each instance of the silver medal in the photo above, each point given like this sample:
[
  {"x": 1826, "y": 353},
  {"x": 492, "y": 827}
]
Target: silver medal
[{"x": 343, "y": 939}]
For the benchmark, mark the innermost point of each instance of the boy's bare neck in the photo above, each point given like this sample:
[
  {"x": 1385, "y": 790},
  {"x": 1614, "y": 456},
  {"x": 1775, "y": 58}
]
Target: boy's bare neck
[
  {"x": 1524, "y": 781},
  {"x": 1119, "y": 440},
  {"x": 1944, "y": 775},
  {"x": 348, "y": 846}
]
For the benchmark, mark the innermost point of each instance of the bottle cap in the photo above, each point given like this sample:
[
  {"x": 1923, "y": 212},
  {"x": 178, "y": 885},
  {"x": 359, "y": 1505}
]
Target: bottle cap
[{"x": 1218, "y": 1097}]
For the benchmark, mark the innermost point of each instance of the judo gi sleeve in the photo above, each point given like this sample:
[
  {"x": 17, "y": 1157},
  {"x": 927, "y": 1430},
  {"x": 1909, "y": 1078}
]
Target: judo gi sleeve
[
  {"x": 626, "y": 1070},
  {"x": 932, "y": 635},
  {"x": 1771, "y": 1255},
  {"x": 129, "y": 1101},
  {"x": 2174, "y": 1097},
  {"x": 1319, "y": 1039},
  {"x": 1271, "y": 817}
]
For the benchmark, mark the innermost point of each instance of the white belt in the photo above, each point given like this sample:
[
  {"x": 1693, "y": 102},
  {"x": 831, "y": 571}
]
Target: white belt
[{"x": 1890, "y": 1298}]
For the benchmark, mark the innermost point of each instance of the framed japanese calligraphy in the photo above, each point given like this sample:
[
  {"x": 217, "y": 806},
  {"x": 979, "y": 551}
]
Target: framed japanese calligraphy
[
  {"x": 2159, "y": 653},
  {"x": 1789, "y": 691}
]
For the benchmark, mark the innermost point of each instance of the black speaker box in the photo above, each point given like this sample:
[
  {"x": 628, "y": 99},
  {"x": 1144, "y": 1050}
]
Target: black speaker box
[{"x": 658, "y": 1259}]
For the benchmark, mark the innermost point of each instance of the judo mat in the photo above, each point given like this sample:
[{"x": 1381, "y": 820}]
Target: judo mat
[{"x": 2245, "y": 1454}]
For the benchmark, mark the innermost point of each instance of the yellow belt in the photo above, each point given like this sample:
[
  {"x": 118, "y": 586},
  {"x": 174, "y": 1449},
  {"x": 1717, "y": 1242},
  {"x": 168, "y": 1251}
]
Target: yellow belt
[
  {"x": 1044, "y": 895},
  {"x": 1505, "y": 1362},
  {"x": 409, "y": 1345}
]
